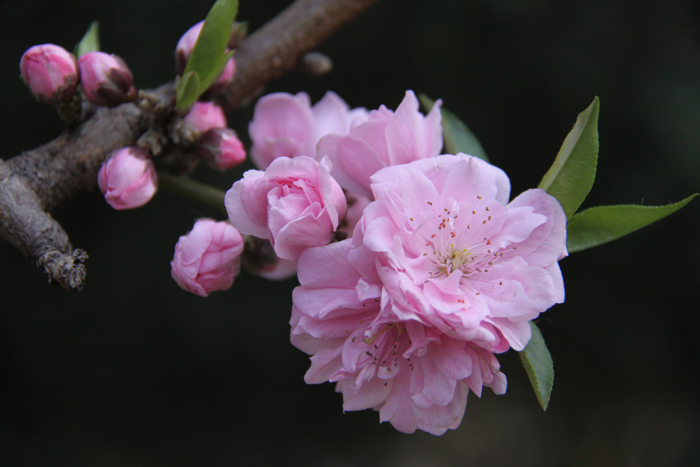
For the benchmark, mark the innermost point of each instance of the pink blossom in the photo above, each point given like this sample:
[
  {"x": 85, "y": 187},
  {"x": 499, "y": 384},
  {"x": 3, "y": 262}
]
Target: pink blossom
[
  {"x": 295, "y": 204},
  {"x": 51, "y": 73},
  {"x": 284, "y": 125},
  {"x": 106, "y": 79},
  {"x": 204, "y": 116},
  {"x": 128, "y": 178},
  {"x": 440, "y": 274},
  {"x": 220, "y": 148},
  {"x": 208, "y": 257},
  {"x": 387, "y": 138}
]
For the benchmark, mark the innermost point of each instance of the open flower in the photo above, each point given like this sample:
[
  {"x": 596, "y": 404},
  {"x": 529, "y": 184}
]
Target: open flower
[
  {"x": 440, "y": 274},
  {"x": 295, "y": 204},
  {"x": 386, "y": 138},
  {"x": 284, "y": 125}
]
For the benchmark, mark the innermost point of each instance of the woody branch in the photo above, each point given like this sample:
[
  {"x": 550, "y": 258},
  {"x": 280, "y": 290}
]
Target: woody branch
[{"x": 36, "y": 181}]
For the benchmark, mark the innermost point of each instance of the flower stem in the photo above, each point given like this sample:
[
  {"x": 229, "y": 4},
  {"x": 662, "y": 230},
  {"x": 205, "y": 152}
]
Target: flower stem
[{"x": 189, "y": 188}]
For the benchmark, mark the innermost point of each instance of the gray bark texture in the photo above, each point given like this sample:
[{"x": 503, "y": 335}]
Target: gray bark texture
[{"x": 36, "y": 181}]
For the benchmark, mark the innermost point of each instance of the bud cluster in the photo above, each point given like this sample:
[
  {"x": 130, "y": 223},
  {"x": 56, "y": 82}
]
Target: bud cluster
[{"x": 53, "y": 74}]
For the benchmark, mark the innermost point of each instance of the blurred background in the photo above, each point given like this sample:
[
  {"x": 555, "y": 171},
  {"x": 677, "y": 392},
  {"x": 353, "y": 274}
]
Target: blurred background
[{"x": 133, "y": 371}]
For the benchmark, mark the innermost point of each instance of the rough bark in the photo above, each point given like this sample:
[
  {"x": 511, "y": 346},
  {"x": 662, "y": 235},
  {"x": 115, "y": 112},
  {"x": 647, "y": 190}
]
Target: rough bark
[{"x": 36, "y": 181}]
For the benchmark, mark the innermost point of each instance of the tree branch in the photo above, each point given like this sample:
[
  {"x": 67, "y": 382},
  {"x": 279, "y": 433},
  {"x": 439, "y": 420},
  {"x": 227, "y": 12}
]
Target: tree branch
[{"x": 41, "y": 179}]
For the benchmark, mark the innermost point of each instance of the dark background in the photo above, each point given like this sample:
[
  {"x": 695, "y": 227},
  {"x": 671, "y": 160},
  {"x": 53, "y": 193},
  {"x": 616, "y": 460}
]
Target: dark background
[{"x": 132, "y": 371}]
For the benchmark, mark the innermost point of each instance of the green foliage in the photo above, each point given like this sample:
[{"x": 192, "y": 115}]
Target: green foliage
[
  {"x": 539, "y": 367},
  {"x": 457, "y": 136},
  {"x": 572, "y": 174},
  {"x": 187, "y": 89},
  {"x": 90, "y": 41},
  {"x": 209, "y": 55},
  {"x": 602, "y": 224}
]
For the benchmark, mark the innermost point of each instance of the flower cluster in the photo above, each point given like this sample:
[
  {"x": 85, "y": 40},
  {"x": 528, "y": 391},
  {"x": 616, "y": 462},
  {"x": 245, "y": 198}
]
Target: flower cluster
[
  {"x": 208, "y": 258},
  {"x": 440, "y": 270},
  {"x": 53, "y": 74}
]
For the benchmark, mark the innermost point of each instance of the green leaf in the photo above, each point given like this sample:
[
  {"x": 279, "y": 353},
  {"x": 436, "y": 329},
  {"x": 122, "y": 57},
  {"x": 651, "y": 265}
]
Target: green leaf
[
  {"x": 216, "y": 72},
  {"x": 90, "y": 41},
  {"x": 457, "y": 136},
  {"x": 601, "y": 224},
  {"x": 187, "y": 89},
  {"x": 207, "y": 55},
  {"x": 571, "y": 176},
  {"x": 539, "y": 367}
]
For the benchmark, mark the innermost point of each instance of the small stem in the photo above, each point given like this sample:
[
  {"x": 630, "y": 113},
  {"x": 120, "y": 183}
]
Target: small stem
[{"x": 189, "y": 188}]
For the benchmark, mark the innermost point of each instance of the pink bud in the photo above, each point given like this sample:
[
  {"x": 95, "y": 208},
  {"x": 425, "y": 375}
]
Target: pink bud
[
  {"x": 221, "y": 148},
  {"x": 105, "y": 79},
  {"x": 50, "y": 72},
  {"x": 207, "y": 258},
  {"x": 204, "y": 116},
  {"x": 225, "y": 78},
  {"x": 128, "y": 178},
  {"x": 184, "y": 47},
  {"x": 183, "y": 50}
]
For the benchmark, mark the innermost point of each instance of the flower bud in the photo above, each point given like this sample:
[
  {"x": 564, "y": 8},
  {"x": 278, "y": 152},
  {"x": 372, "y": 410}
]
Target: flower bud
[
  {"x": 105, "y": 79},
  {"x": 128, "y": 178},
  {"x": 225, "y": 77},
  {"x": 51, "y": 73},
  {"x": 207, "y": 259},
  {"x": 183, "y": 50},
  {"x": 204, "y": 116},
  {"x": 220, "y": 148},
  {"x": 184, "y": 47}
]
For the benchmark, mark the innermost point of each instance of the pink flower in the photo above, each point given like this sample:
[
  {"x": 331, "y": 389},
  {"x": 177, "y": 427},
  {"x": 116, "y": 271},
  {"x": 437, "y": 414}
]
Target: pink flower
[
  {"x": 295, "y": 204},
  {"x": 50, "y": 72},
  {"x": 207, "y": 258},
  {"x": 287, "y": 126},
  {"x": 105, "y": 79},
  {"x": 128, "y": 178},
  {"x": 184, "y": 48},
  {"x": 387, "y": 138},
  {"x": 440, "y": 274},
  {"x": 220, "y": 148},
  {"x": 204, "y": 116}
]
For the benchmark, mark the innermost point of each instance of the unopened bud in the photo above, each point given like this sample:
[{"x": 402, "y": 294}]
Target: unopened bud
[
  {"x": 51, "y": 73},
  {"x": 106, "y": 79},
  {"x": 128, "y": 178},
  {"x": 204, "y": 116},
  {"x": 220, "y": 148},
  {"x": 184, "y": 48},
  {"x": 207, "y": 259},
  {"x": 225, "y": 77}
]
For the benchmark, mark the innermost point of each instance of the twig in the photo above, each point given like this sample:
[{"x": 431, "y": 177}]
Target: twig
[{"x": 37, "y": 181}]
